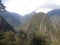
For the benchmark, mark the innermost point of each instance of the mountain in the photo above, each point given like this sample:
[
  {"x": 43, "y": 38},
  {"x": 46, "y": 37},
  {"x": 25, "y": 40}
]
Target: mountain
[
  {"x": 4, "y": 26},
  {"x": 55, "y": 17},
  {"x": 54, "y": 12},
  {"x": 12, "y": 18},
  {"x": 41, "y": 23},
  {"x": 40, "y": 19},
  {"x": 26, "y": 19}
]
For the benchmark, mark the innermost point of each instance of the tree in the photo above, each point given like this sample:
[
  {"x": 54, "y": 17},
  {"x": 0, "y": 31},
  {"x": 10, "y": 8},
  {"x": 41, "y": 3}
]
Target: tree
[
  {"x": 7, "y": 38},
  {"x": 1, "y": 5},
  {"x": 21, "y": 37}
]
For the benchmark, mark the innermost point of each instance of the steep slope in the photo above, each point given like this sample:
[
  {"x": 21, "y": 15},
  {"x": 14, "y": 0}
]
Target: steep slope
[
  {"x": 37, "y": 19},
  {"x": 4, "y": 26},
  {"x": 40, "y": 22},
  {"x": 12, "y": 18},
  {"x": 55, "y": 17},
  {"x": 26, "y": 19}
]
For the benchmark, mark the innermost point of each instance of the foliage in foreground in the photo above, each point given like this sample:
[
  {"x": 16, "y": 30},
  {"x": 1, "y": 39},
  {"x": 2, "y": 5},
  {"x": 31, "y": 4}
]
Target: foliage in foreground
[{"x": 21, "y": 38}]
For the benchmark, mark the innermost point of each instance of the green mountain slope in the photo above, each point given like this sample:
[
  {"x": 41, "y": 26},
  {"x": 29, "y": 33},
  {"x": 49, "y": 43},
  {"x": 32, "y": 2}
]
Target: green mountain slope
[
  {"x": 12, "y": 19},
  {"x": 41, "y": 23}
]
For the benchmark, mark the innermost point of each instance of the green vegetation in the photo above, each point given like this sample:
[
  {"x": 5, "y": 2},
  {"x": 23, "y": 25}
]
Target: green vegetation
[
  {"x": 35, "y": 29},
  {"x": 10, "y": 38},
  {"x": 39, "y": 31},
  {"x": 41, "y": 25}
]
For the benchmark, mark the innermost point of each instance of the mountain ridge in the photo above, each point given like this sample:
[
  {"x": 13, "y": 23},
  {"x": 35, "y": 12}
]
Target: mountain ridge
[{"x": 4, "y": 26}]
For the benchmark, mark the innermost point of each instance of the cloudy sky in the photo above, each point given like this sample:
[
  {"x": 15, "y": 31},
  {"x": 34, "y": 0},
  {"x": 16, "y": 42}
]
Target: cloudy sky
[{"x": 27, "y": 6}]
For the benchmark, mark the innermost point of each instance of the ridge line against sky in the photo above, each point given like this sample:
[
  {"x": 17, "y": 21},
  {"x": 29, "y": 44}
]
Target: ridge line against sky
[{"x": 27, "y": 6}]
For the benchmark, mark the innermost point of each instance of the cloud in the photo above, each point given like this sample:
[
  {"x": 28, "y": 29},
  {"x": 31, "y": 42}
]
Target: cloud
[
  {"x": 19, "y": 6},
  {"x": 49, "y": 5},
  {"x": 27, "y": 6},
  {"x": 4, "y": 1},
  {"x": 54, "y": 4}
]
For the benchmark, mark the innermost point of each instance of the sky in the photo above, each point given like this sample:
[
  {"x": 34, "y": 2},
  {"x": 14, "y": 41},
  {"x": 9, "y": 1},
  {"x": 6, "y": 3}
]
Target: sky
[{"x": 27, "y": 6}]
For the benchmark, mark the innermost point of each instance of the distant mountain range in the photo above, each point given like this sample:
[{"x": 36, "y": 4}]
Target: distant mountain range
[
  {"x": 18, "y": 22},
  {"x": 54, "y": 16},
  {"x": 54, "y": 12}
]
